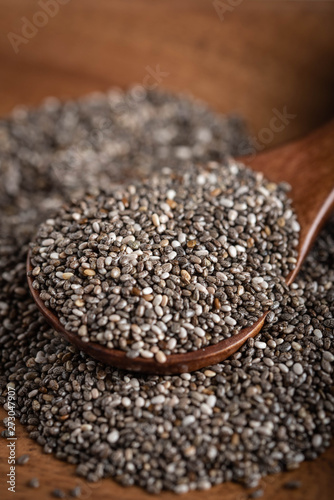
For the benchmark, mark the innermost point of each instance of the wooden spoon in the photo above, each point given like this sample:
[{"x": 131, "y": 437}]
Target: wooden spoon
[{"x": 308, "y": 165}]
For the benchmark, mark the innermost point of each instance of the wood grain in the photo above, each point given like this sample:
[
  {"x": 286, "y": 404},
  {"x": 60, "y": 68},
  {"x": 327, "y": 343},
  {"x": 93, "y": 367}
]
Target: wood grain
[{"x": 265, "y": 55}]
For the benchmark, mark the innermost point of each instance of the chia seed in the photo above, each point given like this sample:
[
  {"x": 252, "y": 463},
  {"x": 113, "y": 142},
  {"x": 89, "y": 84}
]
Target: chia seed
[
  {"x": 33, "y": 483},
  {"x": 57, "y": 493},
  {"x": 76, "y": 492},
  {"x": 292, "y": 485},
  {"x": 256, "y": 494},
  {"x": 203, "y": 267},
  {"x": 23, "y": 459},
  {"x": 252, "y": 415}
]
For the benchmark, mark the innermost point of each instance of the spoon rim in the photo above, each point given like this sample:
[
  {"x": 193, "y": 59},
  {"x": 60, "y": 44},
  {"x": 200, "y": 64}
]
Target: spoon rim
[{"x": 175, "y": 363}]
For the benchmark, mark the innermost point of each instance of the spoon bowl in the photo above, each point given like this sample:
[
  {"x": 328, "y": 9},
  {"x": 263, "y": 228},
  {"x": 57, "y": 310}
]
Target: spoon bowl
[{"x": 308, "y": 166}]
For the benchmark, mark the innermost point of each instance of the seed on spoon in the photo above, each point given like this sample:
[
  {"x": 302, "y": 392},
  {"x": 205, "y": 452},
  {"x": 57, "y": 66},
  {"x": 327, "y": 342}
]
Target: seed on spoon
[
  {"x": 264, "y": 434},
  {"x": 191, "y": 267},
  {"x": 160, "y": 357}
]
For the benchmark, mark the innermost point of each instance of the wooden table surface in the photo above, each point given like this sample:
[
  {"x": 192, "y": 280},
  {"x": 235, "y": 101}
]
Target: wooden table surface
[{"x": 257, "y": 58}]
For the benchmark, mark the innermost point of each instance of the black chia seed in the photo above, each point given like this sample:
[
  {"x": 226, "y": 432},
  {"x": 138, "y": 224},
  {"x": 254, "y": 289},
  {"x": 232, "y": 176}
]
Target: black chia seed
[
  {"x": 23, "y": 459},
  {"x": 292, "y": 485},
  {"x": 170, "y": 264},
  {"x": 256, "y": 494},
  {"x": 76, "y": 492},
  {"x": 33, "y": 483},
  {"x": 57, "y": 493},
  {"x": 264, "y": 410}
]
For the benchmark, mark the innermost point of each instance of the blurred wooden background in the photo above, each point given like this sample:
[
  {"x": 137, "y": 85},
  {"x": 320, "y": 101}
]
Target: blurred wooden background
[{"x": 253, "y": 58}]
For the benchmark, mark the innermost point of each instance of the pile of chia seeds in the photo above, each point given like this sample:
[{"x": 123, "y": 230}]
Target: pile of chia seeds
[
  {"x": 266, "y": 409},
  {"x": 168, "y": 265}
]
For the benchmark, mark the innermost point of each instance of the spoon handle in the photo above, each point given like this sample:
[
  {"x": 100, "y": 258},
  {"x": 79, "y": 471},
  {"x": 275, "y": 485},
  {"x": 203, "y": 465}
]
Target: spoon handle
[{"x": 308, "y": 166}]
